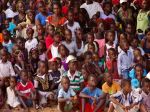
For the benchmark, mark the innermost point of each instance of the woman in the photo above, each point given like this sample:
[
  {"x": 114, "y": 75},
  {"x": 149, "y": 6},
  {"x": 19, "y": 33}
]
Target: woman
[
  {"x": 143, "y": 17},
  {"x": 56, "y": 19}
]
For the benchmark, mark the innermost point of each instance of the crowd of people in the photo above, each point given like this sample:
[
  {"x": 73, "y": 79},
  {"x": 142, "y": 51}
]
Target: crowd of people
[{"x": 85, "y": 55}]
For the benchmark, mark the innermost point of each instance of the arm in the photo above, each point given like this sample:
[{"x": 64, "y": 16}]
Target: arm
[
  {"x": 83, "y": 95},
  {"x": 12, "y": 73},
  {"x": 119, "y": 65}
]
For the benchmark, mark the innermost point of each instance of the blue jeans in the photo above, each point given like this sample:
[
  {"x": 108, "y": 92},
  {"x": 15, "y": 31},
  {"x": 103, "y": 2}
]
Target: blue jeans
[{"x": 125, "y": 74}]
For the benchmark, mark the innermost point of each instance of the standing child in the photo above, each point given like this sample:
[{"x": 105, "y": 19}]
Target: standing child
[
  {"x": 95, "y": 98},
  {"x": 31, "y": 42},
  {"x": 125, "y": 61},
  {"x": 26, "y": 91},
  {"x": 66, "y": 97}
]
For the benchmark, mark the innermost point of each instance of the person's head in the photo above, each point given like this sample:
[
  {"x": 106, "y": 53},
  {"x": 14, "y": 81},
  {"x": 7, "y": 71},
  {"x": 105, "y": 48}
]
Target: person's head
[
  {"x": 34, "y": 53},
  {"x": 12, "y": 81},
  {"x": 24, "y": 75},
  {"x": 65, "y": 82},
  {"x": 30, "y": 33},
  {"x": 41, "y": 7},
  {"x": 31, "y": 15},
  {"x": 90, "y": 37},
  {"x": 126, "y": 86},
  {"x": 146, "y": 85},
  {"x": 91, "y": 47},
  {"x": 59, "y": 63},
  {"x": 21, "y": 7},
  {"x": 4, "y": 55},
  {"x": 72, "y": 63},
  {"x": 40, "y": 29},
  {"x": 57, "y": 37},
  {"x": 137, "y": 52},
  {"x": 92, "y": 81},
  {"x": 63, "y": 51},
  {"x": 125, "y": 46},
  {"x": 53, "y": 64},
  {"x": 68, "y": 35},
  {"x": 42, "y": 67},
  {"x": 139, "y": 71},
  {"x": 134, "y": 42},
  {"x": 84, "y": 73},
  {"x": 112, "y": 53},
  {"x": 32, "y": 4},
  {"x": 123, "y": 4},
  {"x": 14, "y": 5},
  {"x": 70, "y": 16},
  {"x": 107, "y": 7},
  {"x": 147, "y": 33},
  {"x": 6, "y": 35},
  {"x": 129, "y": 28},
  {"x": 88, "y": 57},
  {"x": 95, "y": 57},
  {"x": 57, "y": 8},
  {"x": 122, "y": 37},
  {"x": 139, "y": 59},
  {"x": 50, "y": 29},
  {"x": 20, "y": 42},
  {"x": 110, "y": 36},
  {"x": 145, "y": 4},
  {"x": 108, "y": 78},
  {"x": 79, "y": 34},
  {"x": 41, "y": 46}
]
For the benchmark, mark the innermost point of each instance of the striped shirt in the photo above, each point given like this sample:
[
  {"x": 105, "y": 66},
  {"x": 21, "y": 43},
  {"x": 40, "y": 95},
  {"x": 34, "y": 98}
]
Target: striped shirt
[{"x": 75, "y": 80}]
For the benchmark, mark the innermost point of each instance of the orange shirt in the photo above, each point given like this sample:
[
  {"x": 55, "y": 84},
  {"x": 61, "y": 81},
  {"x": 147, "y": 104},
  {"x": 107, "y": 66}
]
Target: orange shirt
[
  {"x": 1, "y": 38},
  {"x": 115, "y": 87},
  {"x": 56, "y": 23}
]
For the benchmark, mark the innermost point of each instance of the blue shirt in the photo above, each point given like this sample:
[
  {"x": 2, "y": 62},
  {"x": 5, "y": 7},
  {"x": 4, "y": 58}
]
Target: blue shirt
[
  {"x": 125, "y": 61},
  {"x": 95, "y": 93},
  {"x": 42, "y": 18}
]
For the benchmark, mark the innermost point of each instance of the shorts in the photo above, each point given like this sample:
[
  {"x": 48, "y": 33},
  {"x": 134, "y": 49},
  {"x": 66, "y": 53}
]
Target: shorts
[
  {"x": 44, "y": 96},
  {"x": 28, "y": 103},
  {"x": 89, "y": 108},
  {"x": 119, "y": 109}
]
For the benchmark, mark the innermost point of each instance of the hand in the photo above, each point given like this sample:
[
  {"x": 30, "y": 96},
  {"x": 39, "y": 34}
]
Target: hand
[{"x": 94, "y": 100}]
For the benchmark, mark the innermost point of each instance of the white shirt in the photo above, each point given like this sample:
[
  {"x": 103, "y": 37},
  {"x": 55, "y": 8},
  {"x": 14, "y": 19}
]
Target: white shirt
[
  {"x": 73, "y": 29},
  {"x": 104, "y": 16},
  {"x": 29, "y": 44},
  {"x": 81, "y": 50},
  {"x": 12, "y": 99},
  {"x": 10, "y": 14},
  {"x": 92, "y": 9},
  {"x": 54, "y": 51},
  {"x": 70, "y": 46},
  {"x": 6, "y": 69}
]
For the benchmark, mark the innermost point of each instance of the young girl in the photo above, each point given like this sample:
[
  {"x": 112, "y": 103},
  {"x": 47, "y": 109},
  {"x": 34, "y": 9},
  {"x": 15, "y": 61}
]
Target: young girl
[
  {"x": 91, "y": 48},
  {"x": 70, "y": 45},
  {"x": 66, "y": 97},
  {"x": 49, "y": 38},
  {"x": 64, "y": 52},
  {"x": 41, "y": 32},
  {"x": 31, "y": 42},
  {"x": 110, "y": 37},
  {"x": 52, "y": 51},
  {"x": 92, "y": 97},
  {"x": 111, "y": 63},
  {"x": 42, "y": 50},
  {"x": 12, "y": 99}
]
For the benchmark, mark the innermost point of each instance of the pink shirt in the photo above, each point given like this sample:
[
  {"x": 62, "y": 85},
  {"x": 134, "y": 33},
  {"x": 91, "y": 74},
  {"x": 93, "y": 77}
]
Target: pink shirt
[{"x": 101, "y": 43}]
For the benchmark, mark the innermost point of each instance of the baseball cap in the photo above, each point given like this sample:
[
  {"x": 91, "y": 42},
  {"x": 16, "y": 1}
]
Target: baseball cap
[
  {"x": 71, "y": 58},
  {"x": 122, "y": 1}
]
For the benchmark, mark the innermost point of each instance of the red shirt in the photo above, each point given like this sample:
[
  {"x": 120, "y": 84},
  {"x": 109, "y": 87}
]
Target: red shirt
[
  {"x": 48, "y": 41},
  {"x": 25, "y": 89}
]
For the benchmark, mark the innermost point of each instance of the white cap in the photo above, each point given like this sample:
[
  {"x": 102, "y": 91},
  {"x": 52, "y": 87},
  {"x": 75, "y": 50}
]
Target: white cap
[
  {"x": 148, "y": 76},
  {"x": 71, "y": 58},
  {"x": 122, "y": 1}
]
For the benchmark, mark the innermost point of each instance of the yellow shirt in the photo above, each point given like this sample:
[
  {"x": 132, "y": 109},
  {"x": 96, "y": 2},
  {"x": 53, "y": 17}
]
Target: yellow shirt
[{"x": 115, "y": 87}]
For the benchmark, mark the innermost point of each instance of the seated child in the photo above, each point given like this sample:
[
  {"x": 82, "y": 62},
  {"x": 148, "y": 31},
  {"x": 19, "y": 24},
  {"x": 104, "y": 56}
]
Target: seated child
[
  {"x": 12, "y": 99},
  {"x": 126, "y": 100},
  {"x": 146, "y": 93},
  {"x": 43, "y": 84},
  {"x": 110, "y": 86},
  {"x": 75, "y": 77},
  {"x": 25, "y": 90},
  {"x": 66, "y": 96},
  {"x": 92, "y": 97}
]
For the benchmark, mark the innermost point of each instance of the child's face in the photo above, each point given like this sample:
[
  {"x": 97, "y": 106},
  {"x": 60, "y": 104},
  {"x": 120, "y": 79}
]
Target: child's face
[
  {"x": 91, "y": 48},
  {"x": 57, "y": 38},
  {"x": 110, "y": 37},
  {"x": 73, "y": 66},
  {"x": 92, "y": 82},
  {"x": 108, "y": 8},
  {"x": 68, "y": 35},
  {"x": 84, "y": 73},
  {"x": 122, "y": 37},
  {"x": 65, "y": 84},
  {"x": 136, "y": 53},
  {"x": 40, "y": 46},
  {"x": 90, "y": 38},
  {"x": 30, "y": 34},
  {"x": 40, "y": 30},
  {"x": 148, "y": 35},
  {"x": 20, "y": 43},
  {"x": 95, "y": 57},
  {"x": 42, "y": 68},
  {"x": 56, "y": 9},
  {"x": 24, "y": 76},
  {"x": 4, "y": 56},
  {"x": 127, "y": 88},
  {"x": 42, "y": 8},
  {"x": 134, "y": 43},
  {"x": 21, "y": 8},
  {"x": 129, "y": 28},
  {"x": 59, "y": 63},
  {"x": 34, "y": 54},
  {"x": 108, "y": 78},
  {"x": 12, "y": 82},
  {"x": 54, "y": 66},
  {"x": 111, "y": 54},
  {"x": 70, "y": 17},
  {"x": 125, "y": 47},
  {"x": 146, "y": 87},
  {"x": 139, "y": 72},
  {"x": 79, "y": 34},
  {"x": 31, "y": 16},
  {"x": 88, "y": 59},
  {"x": 62, "y": 51},
  {"x": 51, "y": 30}
]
